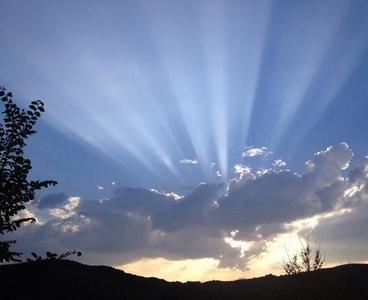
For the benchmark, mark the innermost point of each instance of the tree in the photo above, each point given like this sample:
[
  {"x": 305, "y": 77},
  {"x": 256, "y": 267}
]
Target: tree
[
  {"x": 52, "y": 255},
  {"x": 306, "y": 260},
  {"x": 16, "y": 189}
]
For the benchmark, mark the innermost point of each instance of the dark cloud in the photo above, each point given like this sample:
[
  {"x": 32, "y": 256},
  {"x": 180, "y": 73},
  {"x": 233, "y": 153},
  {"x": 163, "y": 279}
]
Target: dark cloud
[
  {"x": 51, "y": 200},
  {"x": 193, "y": 210},
  {"x": 283, "y": 196},
  {"x": 137, "y": 223},
  {"x": 344, "y": 238}
]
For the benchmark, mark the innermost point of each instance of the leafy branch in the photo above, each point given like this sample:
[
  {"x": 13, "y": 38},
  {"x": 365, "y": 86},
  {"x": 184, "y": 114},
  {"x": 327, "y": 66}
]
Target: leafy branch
[{"x": 15, "y": 188}]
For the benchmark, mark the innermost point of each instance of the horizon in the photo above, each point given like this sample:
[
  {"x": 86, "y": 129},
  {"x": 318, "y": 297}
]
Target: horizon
[{"x": 195, "y": 140}]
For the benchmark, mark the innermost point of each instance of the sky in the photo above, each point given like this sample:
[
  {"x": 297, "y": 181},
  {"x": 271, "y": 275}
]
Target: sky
[{"x": 194, "y": 140}]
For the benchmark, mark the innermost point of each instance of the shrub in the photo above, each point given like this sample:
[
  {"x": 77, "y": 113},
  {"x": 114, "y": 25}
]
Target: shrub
[{"x": 308, "y": 259}]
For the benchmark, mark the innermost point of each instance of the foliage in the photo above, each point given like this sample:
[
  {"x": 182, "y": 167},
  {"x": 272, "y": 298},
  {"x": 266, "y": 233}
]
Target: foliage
[
  {"x": 15, "y": 188},
  {"x": 308, "y": 259},
  {"x": 51, "y": 255}
]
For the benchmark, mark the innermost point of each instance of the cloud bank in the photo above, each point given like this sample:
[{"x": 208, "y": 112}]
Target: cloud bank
[{"x": 232, "y": 222}]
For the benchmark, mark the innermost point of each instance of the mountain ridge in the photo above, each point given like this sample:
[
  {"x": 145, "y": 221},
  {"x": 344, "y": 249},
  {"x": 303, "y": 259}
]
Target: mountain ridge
[{"x": 65, "y": 279}]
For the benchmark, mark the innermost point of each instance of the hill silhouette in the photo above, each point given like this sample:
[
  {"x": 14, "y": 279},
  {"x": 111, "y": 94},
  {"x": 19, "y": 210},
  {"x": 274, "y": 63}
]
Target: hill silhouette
[{"x": 64, "y": 279}]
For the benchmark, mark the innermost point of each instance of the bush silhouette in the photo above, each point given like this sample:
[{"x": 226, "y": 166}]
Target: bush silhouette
[
  {"x": 308, "y": 259},
  {"x": 15, "y": 188}
]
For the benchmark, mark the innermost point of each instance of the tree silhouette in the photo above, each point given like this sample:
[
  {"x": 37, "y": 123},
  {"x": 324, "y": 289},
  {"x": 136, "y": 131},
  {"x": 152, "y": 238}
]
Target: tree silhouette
[
  {"x": 15, "y": 188},
  {"x": 306, "y": 260},
  {"x": 52, "y": 255}
]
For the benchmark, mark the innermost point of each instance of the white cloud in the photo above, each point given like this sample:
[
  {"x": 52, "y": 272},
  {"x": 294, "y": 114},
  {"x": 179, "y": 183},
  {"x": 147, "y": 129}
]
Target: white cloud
[
  {"x": 169, "y": 195},
  {"x": 68, "y": 210},
  {"x": 255, "y": 151},
  {"x": 350, "y": 192},
  {"x": 242, "y": 169},
  {"x": 279, "y": 163},
  {"x": 187, "y": 161},
  {"x": 263, "y": 171},
  {"x": 244, "y": 173},
  {"x": 242, "y": 245}
]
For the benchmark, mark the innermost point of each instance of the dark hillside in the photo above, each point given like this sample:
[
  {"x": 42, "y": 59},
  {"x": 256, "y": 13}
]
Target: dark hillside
[{"x": 63, "y": 279}]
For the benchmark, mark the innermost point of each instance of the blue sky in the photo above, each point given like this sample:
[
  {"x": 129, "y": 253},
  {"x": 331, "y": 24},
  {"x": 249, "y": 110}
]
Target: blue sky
[{"x": 171, "y": 94}]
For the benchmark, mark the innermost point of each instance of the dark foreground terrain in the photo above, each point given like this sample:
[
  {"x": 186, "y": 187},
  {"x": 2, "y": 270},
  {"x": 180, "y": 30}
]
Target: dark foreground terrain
[{"x": 63, "y": 279}]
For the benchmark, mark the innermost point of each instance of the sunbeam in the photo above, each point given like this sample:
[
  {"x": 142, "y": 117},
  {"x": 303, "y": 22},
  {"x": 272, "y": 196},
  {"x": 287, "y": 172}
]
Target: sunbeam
[
  {"x": 194, "y": 80},
  {"x": 188, "y": 140}
]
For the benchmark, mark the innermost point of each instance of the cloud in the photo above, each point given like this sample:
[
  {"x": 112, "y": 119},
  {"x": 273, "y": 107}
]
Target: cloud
[
  {"x": 51, "y": 200},
  {"x": 68, "y": 209},
  {"x": 255, "y": 151},
  {"x": 187, "y": 161},
  {"x": 170, "y": 195},
  {"x": 343, "y": 238},
  {"x": 25, "y": 214},
  {"x": 242, "y": 170},
  {"x": 330, "y": 162},
  {"x": 279, "y": 163},
  {"x": 284, "y": 196},
  {"x": 230, "y": 222}
]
